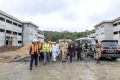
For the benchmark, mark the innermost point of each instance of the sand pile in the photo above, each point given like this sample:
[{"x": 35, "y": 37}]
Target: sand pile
[
  {"x": 24, "y": 48},
  {"x": 8, "y": 48},
  {"x": 9, "y": 56}
]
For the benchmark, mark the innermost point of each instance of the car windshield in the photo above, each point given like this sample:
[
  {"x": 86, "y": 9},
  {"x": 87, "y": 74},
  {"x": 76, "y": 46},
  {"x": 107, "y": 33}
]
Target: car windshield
[
  {"x": 86, "y": 41},
  {"x": 109, "y": 43}
]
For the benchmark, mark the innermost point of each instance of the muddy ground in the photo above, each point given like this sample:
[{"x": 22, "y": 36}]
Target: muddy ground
[{"x": 85, "y": 70}]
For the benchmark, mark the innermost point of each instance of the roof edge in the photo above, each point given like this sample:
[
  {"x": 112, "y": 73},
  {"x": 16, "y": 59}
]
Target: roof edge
[
  {"x": 118, "y": 18},
  {"x": 10, "y": 16},
  {"x": 106, "y": 21},
  {"x": 28, "y": 22}
]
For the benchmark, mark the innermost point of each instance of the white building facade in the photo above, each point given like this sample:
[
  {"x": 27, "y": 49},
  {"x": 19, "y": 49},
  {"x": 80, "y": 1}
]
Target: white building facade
[
  {"x": 40, "y": 36},
  {"x": 29, "y": 32},
  {"x": 108, "y": 30},
  {"x": 10, "y": 30},
  {"x": 104, "y": 31},
  {"x": 116, "y": 29},
  {"x": 91, "y": 34},
  {"x": 15, "y": 32}
]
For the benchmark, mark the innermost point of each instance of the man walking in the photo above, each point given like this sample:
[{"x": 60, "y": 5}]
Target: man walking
[
  {"x": 86, "y": 50},
  {"x": 34, "y": 53},
  {"x": 41, "y": 55},
  {"x": 98, "y": 51},
  {"x": 71, "y": 50},
  {"x": 64, "y": 50},
  {"x": 54, "y": 51},
  {"x": 79, "y": 52},
  {"x": 46, "y": 52}
]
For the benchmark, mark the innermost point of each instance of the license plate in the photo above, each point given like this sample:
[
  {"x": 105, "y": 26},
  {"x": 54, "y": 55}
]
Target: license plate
[{"x": 111, "y": 51}]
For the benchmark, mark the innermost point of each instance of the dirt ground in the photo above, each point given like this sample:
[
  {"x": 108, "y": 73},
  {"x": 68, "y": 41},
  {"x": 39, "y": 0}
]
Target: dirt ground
[
  {"x": 85, "y": 70},
  {"x": 8, "y": 56},
  {"x": 8, "y": 48}
]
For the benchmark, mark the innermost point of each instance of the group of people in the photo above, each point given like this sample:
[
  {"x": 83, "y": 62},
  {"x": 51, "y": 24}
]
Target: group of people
[{"x": 44, "y": 52}]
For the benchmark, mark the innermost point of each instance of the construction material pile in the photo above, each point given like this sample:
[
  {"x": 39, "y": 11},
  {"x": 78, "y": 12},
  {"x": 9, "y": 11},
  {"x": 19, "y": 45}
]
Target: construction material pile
[
  {"x": 8, "y": 48},
  {"x": 11, "y": 55},
  {"x": 24, "y": 48}
]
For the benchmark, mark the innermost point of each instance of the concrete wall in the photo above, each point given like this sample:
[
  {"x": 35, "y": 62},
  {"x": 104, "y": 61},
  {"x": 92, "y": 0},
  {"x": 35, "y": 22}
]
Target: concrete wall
[
  {"x": 33, "y": 32},
  {"x": 108, "y": 31},
  {"x": 100, "y": 32},
  {"x": 6, "y": 26},
  {"x": 41, "y": 37},
  {"x": 104, "y": 32},
  {"x": 29, "y": 34},
  {"x": 26, "y": 34},
  {"x": 29, "y": 31},
  {"x": 2, "y": 34},
  {"x": 2, "y": 37},
  {"x": 116, "y": 29},
  {"x": 92, "y": 35}
]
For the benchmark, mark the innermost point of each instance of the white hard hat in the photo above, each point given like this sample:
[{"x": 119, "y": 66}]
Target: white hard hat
[{"x": 35, "y": 40}]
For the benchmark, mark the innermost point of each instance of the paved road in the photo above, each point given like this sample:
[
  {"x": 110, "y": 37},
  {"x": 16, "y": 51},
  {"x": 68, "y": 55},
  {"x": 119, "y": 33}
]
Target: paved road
[{"x": 86, "y": 70}]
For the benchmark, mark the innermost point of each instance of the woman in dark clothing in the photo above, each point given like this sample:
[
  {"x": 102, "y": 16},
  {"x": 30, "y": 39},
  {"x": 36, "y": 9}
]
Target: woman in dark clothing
[{"x": 79, "y": 51}]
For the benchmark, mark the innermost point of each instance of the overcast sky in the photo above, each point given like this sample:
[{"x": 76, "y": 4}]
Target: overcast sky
[{"x": 60, "y": 15}]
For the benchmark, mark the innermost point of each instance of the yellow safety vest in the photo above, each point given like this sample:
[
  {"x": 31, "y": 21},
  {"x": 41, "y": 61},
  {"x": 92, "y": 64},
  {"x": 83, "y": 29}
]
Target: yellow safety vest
[
  {"x": 40, "y": 45},
  {"x": 46, "y": 47}
]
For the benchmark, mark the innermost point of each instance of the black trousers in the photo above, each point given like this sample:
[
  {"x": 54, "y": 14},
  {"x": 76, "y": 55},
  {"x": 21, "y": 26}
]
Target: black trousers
[
  {"x": 41, "y": 56},
  {"x": 34, "y": 57},
  {"x": 48, "y": 57},
  {"x": 71, "y": 54},
  {"x": 79, "y": 55}
]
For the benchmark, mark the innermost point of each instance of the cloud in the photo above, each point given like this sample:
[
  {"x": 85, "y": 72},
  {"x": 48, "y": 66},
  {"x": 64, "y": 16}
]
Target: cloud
[
  {"x": 113, "y": 10},
  {"x": 33, "y": 7},
  {"x": 57, "y": 15},
  {"x": 42, "y": 6},
  {"x": 71, "y": 16}
]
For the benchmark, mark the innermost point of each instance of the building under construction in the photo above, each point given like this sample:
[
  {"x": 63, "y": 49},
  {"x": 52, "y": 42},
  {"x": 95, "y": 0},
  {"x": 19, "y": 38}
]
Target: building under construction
[{"x": 15, "y": 32}]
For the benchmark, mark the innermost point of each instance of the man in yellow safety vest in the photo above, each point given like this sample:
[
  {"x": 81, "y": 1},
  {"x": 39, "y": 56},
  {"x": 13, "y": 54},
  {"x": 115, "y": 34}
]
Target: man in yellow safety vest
[
  {"x": 46, "y": 52},
  {"x": 41, "y": 51}
]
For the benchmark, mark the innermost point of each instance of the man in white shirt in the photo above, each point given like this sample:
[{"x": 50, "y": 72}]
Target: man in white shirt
[{"x": 55, "y": 50}]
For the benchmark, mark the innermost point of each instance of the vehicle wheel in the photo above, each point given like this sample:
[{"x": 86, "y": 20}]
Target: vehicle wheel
[{"x": 113, "y": 58}]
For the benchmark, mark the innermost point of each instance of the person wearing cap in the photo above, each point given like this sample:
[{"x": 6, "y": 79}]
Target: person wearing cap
[
  {"x": 34, "y": 53},
  {"x": 54, "y": 51},
  {"x": 97, "y": 51},
  {"x": 64, "y": 50}
]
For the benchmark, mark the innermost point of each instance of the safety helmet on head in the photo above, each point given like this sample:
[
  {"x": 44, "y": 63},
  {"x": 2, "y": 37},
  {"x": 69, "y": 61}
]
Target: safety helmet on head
[{"x": 35, "y": 40}]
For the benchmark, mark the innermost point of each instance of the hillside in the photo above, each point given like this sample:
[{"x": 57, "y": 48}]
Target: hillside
[{"x": 55, "y": 36}]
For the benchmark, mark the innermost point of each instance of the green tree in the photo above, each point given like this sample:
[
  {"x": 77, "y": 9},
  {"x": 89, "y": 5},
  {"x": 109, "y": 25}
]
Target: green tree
[{"x": 54, "y": 36}]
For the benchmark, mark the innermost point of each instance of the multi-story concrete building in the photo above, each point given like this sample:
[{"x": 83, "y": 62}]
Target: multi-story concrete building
[
  {"x": 116, "y": 29},
  {"x": 107, "y": 30},
  {"x": 29, "y": 32},
  {"x": 10, "y": 30},
  {"x": 91, "y": 34},
  {"x": 40, "y": 36},
  {"x": 16, "y": 32},
  {"x": 104, "y": 30}
]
